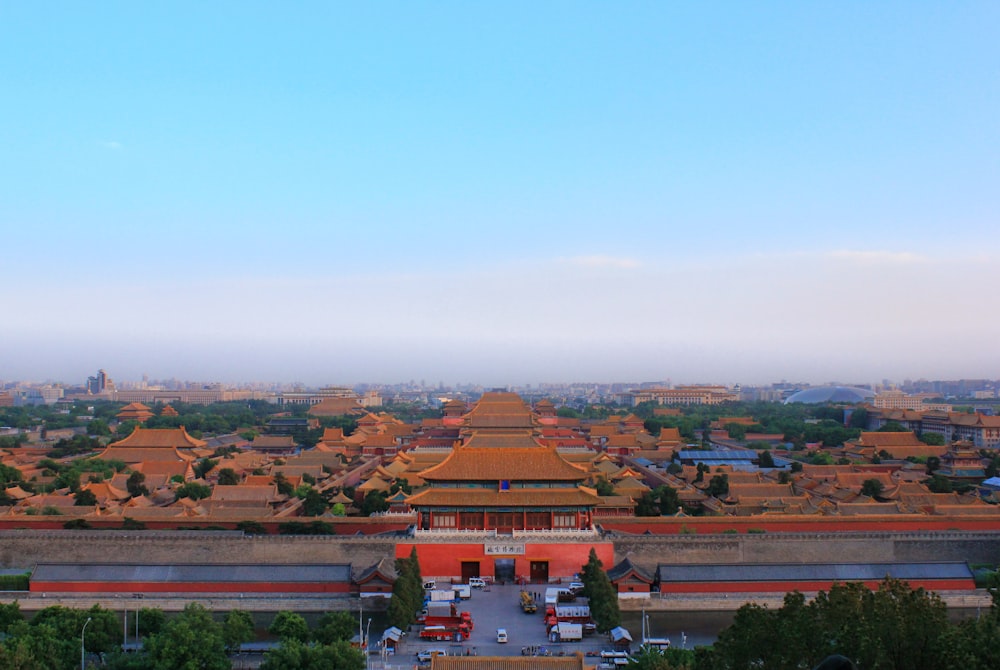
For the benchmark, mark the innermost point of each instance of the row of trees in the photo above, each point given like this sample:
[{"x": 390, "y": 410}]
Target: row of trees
[
  {"x": 191, "y": 639},
  {"x": 600, "y": 593},
  {"x": 891, "y": 628},
  {"x": 407, "y": 592}
]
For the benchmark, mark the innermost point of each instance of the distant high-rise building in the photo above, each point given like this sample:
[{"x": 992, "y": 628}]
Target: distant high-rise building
[{"x": 100, "y": 383}]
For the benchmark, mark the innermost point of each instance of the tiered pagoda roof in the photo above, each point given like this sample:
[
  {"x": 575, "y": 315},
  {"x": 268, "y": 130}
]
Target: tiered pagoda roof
[{"x": 153, "y": 444}]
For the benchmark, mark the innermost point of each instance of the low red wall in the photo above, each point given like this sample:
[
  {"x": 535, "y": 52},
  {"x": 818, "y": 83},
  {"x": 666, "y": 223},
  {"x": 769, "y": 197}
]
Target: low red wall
[
  {"x": 347, "y": 527},
  {"x": 565, "y": 560},
  {"x": 195, "y": 587},
  {"x": 785, "y": 587},
  {"x": 794, "y": 524}
]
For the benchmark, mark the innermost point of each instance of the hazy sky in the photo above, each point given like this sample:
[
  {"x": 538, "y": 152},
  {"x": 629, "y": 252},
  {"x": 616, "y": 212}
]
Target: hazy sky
[{"x": 501, "y": 192}]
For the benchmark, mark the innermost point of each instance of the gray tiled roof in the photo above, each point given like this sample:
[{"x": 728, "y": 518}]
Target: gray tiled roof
[
  {"x": 786, "y": 572},
  {"x": 191, "y": 573}
]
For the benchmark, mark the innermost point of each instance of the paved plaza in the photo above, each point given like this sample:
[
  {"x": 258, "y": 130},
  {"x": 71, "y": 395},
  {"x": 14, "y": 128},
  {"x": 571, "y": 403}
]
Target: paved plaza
[{"x": 496, "y": 608}]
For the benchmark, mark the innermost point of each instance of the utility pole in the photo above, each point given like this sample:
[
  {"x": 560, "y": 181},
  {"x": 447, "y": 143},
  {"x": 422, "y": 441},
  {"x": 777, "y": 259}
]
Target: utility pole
[{"x": 83, "y": 657}]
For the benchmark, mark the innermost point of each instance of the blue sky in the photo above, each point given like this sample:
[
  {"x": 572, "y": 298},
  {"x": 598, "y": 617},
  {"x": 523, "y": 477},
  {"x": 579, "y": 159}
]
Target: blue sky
[{"x": 505, "y": 193}]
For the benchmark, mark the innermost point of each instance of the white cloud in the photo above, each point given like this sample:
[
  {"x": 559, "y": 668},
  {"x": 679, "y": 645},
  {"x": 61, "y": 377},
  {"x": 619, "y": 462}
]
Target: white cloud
[{"x": 112, "y": 145}]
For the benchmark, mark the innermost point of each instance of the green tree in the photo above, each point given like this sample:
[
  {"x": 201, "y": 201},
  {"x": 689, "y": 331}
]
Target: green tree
[
  {"x": 237, "y": 628},
  {"x": 764, "y": 459},
  {"x": 193, "y": 490},
  {"x": 933, "y": 464},
  {"x": 933, "y": 439},
  {"x": 375, "y": 501},
  {"x": 98, "y": 427},
  {"x": 203, "y": 467},
  {"x": 646, "y": 505},
  {"x": 228, "y": 477},
  {"x": 604, "y": 487},
  {"x": 407, "y": 591},
  {"x": 151, "y": 621},
  {"x": 85, "y": 498},
  {"x": 136, "y": 484},
  {"x": 284, "y": 486},
  {"x": 670, "y": 503},
  {"x": 190, "y": 641},
  {"x": 736, "y": 431},
  {"x": 718, "y": 486},
  {"x": 648, "y": 658},
  {"x": 289, "y": 625},
  {"x": 335, "y": 627},
  {"x": 10, "y": 613},
  {"x": 939, "y": 484},
  {"x": 601, "y": 594},
  {"x": 292, "y": 654},
  {"x": 38, "y": 647},
  {"x": 872, "y": 488},
  {"x": 314, "y": 504}
]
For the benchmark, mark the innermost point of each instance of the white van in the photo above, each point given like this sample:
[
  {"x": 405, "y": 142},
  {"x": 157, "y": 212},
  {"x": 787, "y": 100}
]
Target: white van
[
  {"x": 477, "y": 583},
  {"x": 430, "y": 585},
  {"x": 502, "y": 635}
]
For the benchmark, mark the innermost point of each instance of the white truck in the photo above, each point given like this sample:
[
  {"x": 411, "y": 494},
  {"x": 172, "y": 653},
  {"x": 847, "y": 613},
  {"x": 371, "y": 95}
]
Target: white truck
[
  {"x": 566, "y": 632},
  {"x": 440, "y": 595},
  {"x": 462, "y": 591}
]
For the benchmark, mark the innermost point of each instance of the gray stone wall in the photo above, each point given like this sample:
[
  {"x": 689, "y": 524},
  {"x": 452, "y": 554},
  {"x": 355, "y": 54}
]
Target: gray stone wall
[
  {"x": 25, "y": 548},
  {"x": 650, "y": 551}
]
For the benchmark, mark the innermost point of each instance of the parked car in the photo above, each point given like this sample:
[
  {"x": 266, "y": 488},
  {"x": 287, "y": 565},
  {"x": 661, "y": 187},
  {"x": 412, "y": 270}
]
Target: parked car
[
  {"x": 477, "y": 582},
  {"x": 426, "y": 655},
  {"x": 502, "y": 635}
]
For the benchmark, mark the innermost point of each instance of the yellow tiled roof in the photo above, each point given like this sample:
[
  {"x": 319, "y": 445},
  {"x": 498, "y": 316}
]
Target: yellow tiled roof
[
  {"x": 512, "y": 463},
  {"x": 158, "y": 438}
]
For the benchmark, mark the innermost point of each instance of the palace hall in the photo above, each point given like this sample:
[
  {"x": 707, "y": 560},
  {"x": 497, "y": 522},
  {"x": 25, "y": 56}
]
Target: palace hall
[{"x": 501, "y": 483}]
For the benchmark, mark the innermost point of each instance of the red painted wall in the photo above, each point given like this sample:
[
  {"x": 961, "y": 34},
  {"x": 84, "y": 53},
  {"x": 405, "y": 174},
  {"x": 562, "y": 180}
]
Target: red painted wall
[
  {"x": 565, "y": 560},
  {"x": 346, "y": 527},
  {"x": 794, "y": 524},
  {"x": 203, "y": 587}
]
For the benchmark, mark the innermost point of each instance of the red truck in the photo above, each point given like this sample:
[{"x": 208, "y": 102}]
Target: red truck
[
  {"x": 445, "y": 633},
  {"x": 462, "y": 619}
]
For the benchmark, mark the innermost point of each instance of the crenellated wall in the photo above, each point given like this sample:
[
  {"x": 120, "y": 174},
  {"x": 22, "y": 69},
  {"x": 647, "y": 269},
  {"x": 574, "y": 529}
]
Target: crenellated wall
[{"x": 25, "y": 548}]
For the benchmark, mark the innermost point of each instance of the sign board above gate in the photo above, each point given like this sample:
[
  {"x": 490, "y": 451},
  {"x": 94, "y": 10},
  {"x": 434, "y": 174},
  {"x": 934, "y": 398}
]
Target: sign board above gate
[{"x": 504, "y": 549}]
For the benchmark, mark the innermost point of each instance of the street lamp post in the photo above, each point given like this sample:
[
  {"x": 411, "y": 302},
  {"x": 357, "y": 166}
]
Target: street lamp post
[
  {"x": 364, "y": 643},
  {"x": 83, "y": 658}
]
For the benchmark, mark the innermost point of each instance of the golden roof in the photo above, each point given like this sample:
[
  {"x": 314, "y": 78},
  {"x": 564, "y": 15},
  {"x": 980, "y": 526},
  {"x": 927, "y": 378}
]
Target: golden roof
[
  {"x": 468, "y": 463},
  {"x": 158, "y": 438}
]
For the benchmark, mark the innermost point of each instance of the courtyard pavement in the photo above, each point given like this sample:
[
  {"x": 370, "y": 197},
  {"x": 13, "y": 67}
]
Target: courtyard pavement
[{"x": 498, "y": 607}]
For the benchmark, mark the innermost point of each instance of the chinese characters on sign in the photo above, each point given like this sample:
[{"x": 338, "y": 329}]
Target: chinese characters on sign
[{"x": 503, "y": 549}]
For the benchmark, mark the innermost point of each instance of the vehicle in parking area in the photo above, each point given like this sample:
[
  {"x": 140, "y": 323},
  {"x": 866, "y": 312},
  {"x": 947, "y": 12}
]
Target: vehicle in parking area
[
  {"x": 426, "y": 655},
  {"x": 576, "y": 587},
  {"x": 445, "y": 633},
  {"x": 477, "y": 583},
  {"x": 528, "y": 603},
  {"x": 430, "y": 585},
  {"x": 502, "y": 635}
]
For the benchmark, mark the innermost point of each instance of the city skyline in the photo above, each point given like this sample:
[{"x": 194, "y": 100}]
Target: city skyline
[{"x": 569, "y": 191}]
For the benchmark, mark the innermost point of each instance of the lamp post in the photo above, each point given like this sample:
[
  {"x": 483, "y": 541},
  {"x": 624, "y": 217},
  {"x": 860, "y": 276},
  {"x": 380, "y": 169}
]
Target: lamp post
[
  {"x": 83, "y": 658},
  {"x": 364, "y": 642}
]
